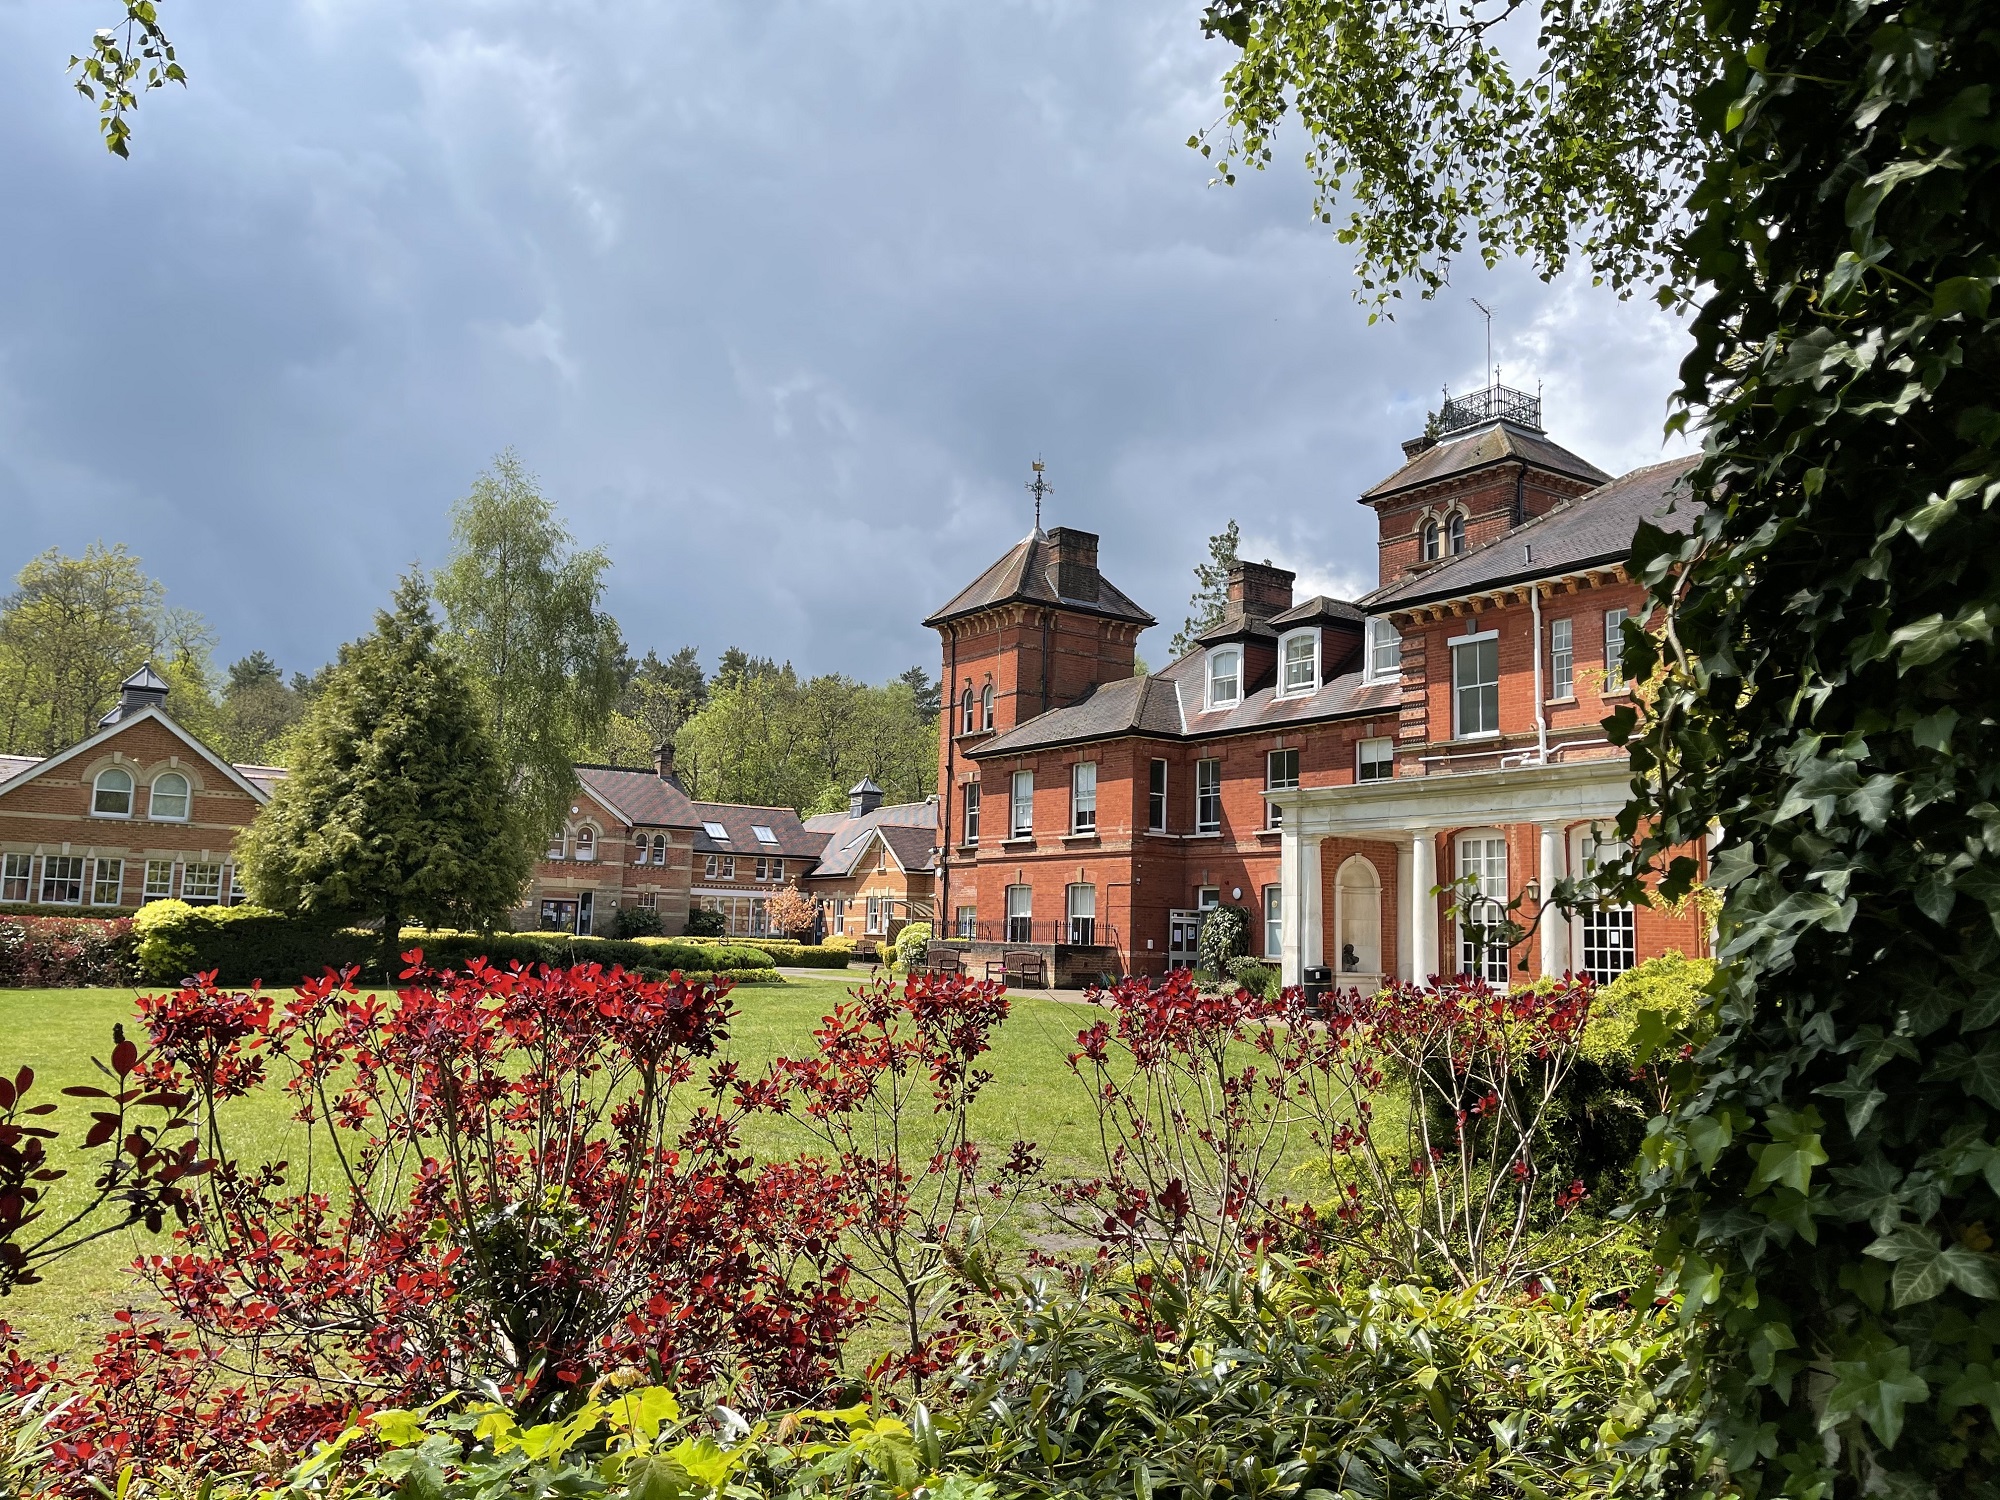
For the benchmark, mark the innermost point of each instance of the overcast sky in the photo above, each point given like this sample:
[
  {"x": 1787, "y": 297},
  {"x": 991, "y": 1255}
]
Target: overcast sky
[{"x": 779, "y": 299}]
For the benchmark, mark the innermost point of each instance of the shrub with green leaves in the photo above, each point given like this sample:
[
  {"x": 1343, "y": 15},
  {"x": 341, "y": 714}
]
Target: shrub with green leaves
[
  {"x": 1225, "y": 934},
  {"x": 912, "y": 943}
]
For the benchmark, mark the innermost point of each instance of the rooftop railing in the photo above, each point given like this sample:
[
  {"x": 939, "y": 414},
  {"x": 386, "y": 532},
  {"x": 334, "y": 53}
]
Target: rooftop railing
[{"x": 1497, "y": 403}]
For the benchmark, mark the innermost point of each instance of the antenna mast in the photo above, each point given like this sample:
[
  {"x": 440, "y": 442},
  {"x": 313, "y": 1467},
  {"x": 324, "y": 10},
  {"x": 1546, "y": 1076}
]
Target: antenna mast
[
  {"x": 1038, "y": 487},
  {"x": 1492, "y": 376}
]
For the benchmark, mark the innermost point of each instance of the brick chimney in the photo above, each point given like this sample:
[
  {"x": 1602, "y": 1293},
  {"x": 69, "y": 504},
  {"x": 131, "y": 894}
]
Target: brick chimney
[
  {"x": 663, "y": 762},
  {"x": 1257, "y": 590},
  {"x": 1073, "y": 564}
]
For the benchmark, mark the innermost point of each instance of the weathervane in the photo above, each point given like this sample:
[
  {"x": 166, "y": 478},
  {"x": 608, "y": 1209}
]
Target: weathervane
[
  {"x": 1038, "y": 487},
  {"x": 1491, "y": 373}
]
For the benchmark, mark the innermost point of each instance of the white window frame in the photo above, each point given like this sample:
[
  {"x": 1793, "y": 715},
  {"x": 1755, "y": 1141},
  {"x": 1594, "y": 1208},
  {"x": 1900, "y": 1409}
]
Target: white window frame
[
  {"x": 716, "y": 831},
  {"x": 641, "y": 848},
  {"x": 117, "y": 882},
  {"x": 71, "y": 874},
  {"x": 1430, "y": 541},
  {"x": 17, "y": 877},
  {"x": 1479, "y": 961},
  {"x": 764, "y": 833},
  {"x": 1217, "y": 656},
  {"x": 659, "y": 849},
  {"x": 986, "y": 707},
  {"x": 1083, "y": 797},
  {"x": 966, "y": 720},
  {"x": 195, "y": 886},
  {"x": 586, "y": 844},
  {"x": 970, "y": 802},
  {"x": 1383, "y": 639},
  {"x": 968, "y": 922},
  {"x": 1562, "y": 658},
  {"x": 159, "y": 884},
  {"x": 1157, "y": 782},
  {"x": 1454, "y": 534},
  {"x": 1274, "y": 921},
  {"x": 1208, "y": 798},
  {"x": 1362, "y": 759},
  {"x": 98, "y": 790},
  {"x": 1462, "y": 645},
  {"x": 1025, "y": 916},
  {"x": 558, "y": 846},
  {"x": 1614, "y": 649},
  {"x": 153, "y": 811},
  {"x": 1080, "y": 909},
  {"x": 1021, "y": 805},
  {"x": 1274, "y": 816},
  {"x": 1308, "y": 683}
]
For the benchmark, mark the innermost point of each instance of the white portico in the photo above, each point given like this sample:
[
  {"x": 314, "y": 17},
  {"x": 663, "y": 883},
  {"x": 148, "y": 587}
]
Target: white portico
[{"x": 1408, "y": 813}]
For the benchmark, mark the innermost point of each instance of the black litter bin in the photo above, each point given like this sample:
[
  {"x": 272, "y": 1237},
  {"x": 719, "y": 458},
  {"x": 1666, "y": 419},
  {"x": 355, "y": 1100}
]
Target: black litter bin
[{"x": 1316, "y": 984}]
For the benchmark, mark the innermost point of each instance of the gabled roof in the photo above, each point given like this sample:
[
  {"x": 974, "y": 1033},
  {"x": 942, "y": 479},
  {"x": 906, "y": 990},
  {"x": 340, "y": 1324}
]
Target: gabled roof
[
  {"x": 1024, "y": 573},
  {"x": 639, "y": 797},
  {"x": 847, "y": 836},
  {"x": 1131, "y": 705},
  {"x": 29, "y": 771},
  {"x": 740, "y": 823},
  {"x": 915, "y": 849},
  {"x": 1588, "y": 530},
  {"x": 1498, "y": 442}
]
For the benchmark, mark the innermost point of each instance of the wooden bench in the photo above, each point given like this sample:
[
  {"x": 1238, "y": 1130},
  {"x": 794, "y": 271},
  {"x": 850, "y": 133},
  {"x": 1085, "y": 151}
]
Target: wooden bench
[
  {"x": 1029, "y": 970},
  {"x": 941, "y": 961}
]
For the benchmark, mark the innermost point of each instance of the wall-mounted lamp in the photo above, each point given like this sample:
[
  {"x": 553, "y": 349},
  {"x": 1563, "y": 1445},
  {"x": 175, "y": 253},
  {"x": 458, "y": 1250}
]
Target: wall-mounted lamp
[{"x": 1533, "y": 891}]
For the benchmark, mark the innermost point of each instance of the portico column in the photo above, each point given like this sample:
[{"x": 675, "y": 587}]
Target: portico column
[
  {"x": 1312, "y": 936},
  {"x": 1554, "y": 924},
  {"x": 1423, "y": 906},
  {"x": 1291, "y": 902},
  {"x": 1406, "y": 962}
]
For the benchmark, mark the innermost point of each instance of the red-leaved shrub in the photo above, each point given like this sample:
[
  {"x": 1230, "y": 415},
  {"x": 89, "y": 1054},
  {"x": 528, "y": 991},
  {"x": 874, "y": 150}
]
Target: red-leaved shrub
[{"x": 65, "y": 952}]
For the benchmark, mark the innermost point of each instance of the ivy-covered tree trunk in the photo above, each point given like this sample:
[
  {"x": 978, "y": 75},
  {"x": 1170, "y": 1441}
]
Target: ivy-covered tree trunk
[{"x": 1830, "y": 1186}]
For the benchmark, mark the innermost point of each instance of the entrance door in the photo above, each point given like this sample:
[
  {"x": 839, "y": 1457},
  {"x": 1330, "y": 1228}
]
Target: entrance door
[
  {"x": 583, "y": 915},
  {"x": 1183, "y": 937},
  {"x": 558, "y": 916}
]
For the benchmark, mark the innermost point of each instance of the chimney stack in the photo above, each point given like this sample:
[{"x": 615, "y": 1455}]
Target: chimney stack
[
  {"x": 1256, "y": 591},
  {"x": 663, "y": 762},
  {"x": 1073, "y": 560}
]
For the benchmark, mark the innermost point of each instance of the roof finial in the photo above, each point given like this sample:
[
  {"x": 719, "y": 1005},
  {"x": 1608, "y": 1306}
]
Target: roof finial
[
  {"x": 1038, "y": 487},
  {"x": 1492, "y": 374}
]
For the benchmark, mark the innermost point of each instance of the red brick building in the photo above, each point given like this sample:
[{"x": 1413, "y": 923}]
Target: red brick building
[
  {"x": 140, "y": 811},
  {"x": 877, "y": 870},
  {"x": 1322, "y": 763}
]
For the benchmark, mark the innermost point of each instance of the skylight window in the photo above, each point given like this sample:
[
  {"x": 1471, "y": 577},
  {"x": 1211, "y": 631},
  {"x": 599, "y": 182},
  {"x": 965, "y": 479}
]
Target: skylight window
[
  {"x": 716, "y": 831},
  {"x": 764, "y": 834}
]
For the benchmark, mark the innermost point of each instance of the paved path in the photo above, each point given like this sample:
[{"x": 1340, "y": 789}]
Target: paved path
[{"x": 855, "y": 974}]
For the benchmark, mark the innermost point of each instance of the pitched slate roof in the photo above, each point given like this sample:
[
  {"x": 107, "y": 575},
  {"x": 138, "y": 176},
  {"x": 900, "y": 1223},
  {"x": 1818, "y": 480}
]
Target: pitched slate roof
[
  {"x": 1321, "y": 608},
  {"x": 914, "y": 823},
  {"x": 740, "y": 822},
  {"x": 1590, "y": 529},
  {"x": 1498, "y": 442},
  {"x": 1168, "y": 705},
  {"x": 640, "y": 797},
  {"x": 915, "y": 848},
  {"x": 20, "y": 768},
  {"x": 1025, "y": 572}
]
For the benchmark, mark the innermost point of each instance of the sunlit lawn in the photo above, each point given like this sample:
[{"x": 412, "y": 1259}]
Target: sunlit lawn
[{"x": 1033, "y": 1097}]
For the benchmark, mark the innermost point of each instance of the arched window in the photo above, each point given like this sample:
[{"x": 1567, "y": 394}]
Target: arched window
[
  {"x": 1454, "y": 533},
  {"x": 639, "y": 850},
  {"x": 558, "y": 845},
  {"x": 586, "y": 842},
  {"x": 111, "y": 794},
  {"x": 986, "y": 707},
  {"x": 965, "y": 703},
  {"x": 1430, "y": 541},
  {"x": 659, "y": 848},
  {"x": 169, "y": 800}
]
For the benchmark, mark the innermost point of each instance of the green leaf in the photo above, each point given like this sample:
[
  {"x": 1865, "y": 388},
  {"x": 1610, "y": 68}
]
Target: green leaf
[{"x": 1875, "y": 1389}]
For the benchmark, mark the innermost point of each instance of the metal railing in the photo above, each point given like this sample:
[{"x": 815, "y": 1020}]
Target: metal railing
[
  {"x": 1038, "y": 932},
  {"x": 1495, "y": 403}
]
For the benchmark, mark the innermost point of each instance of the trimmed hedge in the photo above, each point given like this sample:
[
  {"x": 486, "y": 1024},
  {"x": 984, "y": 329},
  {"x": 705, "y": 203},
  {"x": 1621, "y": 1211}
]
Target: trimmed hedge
[
  {"x": 247, "y": 943},
  {"x": 43, "y": 952},
  {"x": 784, "y": 950}
]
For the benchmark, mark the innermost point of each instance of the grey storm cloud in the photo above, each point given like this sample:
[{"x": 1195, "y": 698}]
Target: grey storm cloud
[{"x": 779, "y": 300}]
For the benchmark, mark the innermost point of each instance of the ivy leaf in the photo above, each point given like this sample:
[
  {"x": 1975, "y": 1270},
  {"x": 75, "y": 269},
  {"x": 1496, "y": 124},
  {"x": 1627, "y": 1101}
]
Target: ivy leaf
[
  {"x": 1787, "y": 1163},
  {"x": 1876, "y": 1390}
]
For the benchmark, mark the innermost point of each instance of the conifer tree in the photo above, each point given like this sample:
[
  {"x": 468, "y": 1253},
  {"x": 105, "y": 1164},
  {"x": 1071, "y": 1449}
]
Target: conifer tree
[
  {"x": 398, "y": 804},
  {"x": 1211, "y": 590}
]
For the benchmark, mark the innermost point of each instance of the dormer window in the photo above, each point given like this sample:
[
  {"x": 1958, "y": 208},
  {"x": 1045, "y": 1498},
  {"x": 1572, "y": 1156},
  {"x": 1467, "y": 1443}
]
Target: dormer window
[
  {"x": 1454, "y": 534},
  {"x": 1298, "y": 663},
  {"x": 1225, "y": 677},
  {"x": 1428, "y": 542},
  {"x": 1385, "y": 651}
]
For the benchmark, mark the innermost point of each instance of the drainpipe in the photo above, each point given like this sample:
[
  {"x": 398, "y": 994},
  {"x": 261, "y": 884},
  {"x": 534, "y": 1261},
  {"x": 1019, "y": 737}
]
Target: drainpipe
[
  {"x": 1541, "y": 712},
  {"x": 946, "y": 709}
]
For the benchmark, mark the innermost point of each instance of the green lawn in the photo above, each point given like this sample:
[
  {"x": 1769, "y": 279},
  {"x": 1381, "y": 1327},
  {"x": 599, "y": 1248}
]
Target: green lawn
[{"x": 1033, "y": 1097}]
